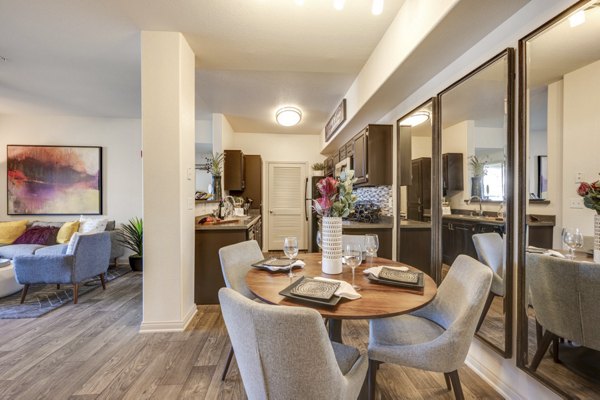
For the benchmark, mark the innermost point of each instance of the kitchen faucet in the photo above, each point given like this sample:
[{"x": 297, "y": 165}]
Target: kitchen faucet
[{"x": 480, "y": 207}]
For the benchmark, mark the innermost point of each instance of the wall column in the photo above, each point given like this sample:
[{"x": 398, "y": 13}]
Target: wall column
[{"x": 168, "y": 93}]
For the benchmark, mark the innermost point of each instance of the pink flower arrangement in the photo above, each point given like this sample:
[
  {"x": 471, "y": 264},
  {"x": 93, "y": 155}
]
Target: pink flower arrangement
[
  {"x": 591, "y": 195},
  {"x": 336, "y": 198}
]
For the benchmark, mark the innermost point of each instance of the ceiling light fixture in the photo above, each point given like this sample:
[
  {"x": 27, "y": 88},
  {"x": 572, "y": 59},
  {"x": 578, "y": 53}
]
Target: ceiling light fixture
[
  {"x": 299, "y": 2},
  {"x": 377, "y": 7},
  {"x": 288, "y": 116},
  {"x": 415, "y": 119},
  {"x": 338, "y": 4},
  {"x": 577, "y": 19}
]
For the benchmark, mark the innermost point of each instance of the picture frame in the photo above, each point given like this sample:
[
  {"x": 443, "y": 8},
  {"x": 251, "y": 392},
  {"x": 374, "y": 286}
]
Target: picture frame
[
  {"x": 336, "y": 120},
  {"x": 54, "y": 180}
]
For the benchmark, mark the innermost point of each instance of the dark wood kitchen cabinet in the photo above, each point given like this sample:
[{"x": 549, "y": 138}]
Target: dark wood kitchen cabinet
[
  {"x": 372, "y": 158},
  {"x": 419, "y": 191},
  {"x": 452, "y": 173},
  {"x": 457, "y": 238},
  {"x": 233, "y": 168},
  {"x": 253, "y": 180}
]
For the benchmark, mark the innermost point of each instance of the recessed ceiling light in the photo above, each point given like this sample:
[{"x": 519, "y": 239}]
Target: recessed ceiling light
[
  {"x": 299, "y": 2},
  {"x": 338, "y": 4},
  {"x": 288, "y": 116},
  {"x": 415, "y": 119},
  {"x": 377, "y": 7}
]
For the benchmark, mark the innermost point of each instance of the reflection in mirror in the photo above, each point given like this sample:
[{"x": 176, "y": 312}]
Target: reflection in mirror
[
  {"x": 415, "y": 132},
  {"x": 475, "y": 141},
  {"x": 559, "y": 322},
  {"x": 204, "y": 185}
]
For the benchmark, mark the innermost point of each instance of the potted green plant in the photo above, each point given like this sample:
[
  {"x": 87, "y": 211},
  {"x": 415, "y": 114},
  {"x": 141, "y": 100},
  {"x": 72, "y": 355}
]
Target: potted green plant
[
  {"x": 214, "y": 167},
  {"x": 478, "y": 168},
  {"x": 318, "y": 168},
  {"x": 132, "y": 235}
]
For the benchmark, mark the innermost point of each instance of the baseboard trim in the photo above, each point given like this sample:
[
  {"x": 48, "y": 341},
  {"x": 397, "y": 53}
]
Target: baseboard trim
[
  {"x": 170, "y": 326},
  {"x": 492, "y": 379}
]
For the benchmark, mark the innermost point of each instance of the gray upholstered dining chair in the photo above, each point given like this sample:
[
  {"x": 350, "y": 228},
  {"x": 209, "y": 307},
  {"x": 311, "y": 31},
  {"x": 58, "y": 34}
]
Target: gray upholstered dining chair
[
  {"x": 236, "y": 261},
  {"x": 436, "y": 337},
  {"x": 490, "y": 251},
  {"x": 86, "y": 256},
  {"x": 285, "y": 353},
  {"x": 565, "y": 295}
]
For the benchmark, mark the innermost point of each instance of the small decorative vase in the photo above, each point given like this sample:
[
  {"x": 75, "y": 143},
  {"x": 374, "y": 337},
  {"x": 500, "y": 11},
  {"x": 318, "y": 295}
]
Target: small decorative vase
[
  {"x": 331, "y": 238},
  {"x": 477, "y": 186},
  {"x": 218, "y": 192},
  {"x": 597, "y": 238}
]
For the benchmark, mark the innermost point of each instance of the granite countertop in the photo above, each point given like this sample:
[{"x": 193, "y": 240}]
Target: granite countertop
[
  {"x": 384, "y": 223},
  {"x": 243, "y": 223},
  {"x": 475, "y": 218},
  {"x": 412, "y": 224}
]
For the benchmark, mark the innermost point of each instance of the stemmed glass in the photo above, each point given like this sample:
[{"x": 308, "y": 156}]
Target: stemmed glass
[
  {"x": 353, "y": 256},
  {"x": 573, "y": 238},
  {"x": 290, "y": 248},
  {"x": 371, "y": 245}
]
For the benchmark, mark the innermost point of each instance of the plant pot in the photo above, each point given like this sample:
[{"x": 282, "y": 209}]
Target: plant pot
[
  {"x": 136, "y": 263},
  {"x": 477, "y": 186},
  {"x": 331, "y": 237},
  {"x": 218, "y": 191}
]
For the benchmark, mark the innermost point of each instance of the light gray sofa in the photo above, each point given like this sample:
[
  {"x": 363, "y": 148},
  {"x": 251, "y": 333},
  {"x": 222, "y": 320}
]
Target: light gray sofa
[{"x": 11, "y": 251}]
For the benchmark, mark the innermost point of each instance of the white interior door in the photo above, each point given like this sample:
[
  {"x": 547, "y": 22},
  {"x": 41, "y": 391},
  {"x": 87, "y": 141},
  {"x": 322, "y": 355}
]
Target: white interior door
[{"x": 286, "y": 193}]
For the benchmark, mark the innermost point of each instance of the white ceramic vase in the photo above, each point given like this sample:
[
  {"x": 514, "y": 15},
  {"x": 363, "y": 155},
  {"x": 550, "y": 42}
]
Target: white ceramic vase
[
  {"x": 331, "y": 237},
  {"x": 597, "y": 238}
]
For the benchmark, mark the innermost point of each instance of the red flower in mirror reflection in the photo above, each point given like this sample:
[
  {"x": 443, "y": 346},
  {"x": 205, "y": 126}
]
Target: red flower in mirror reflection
[{"x": 590, "y": 194}]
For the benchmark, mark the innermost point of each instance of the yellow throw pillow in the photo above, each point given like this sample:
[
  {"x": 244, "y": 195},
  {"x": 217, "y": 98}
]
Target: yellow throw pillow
[
  {"x": 10, "y": 231},
  {"x": 66, "y": 231}
]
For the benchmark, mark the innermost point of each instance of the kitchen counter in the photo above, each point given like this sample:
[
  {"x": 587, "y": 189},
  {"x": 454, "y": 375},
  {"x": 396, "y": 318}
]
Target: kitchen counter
[
  {"x": 384, "y": 223},
  {"x": 244, "y": 223},
  {"x": 412, "y": 224},
  {"x": 475, "y": 218}
]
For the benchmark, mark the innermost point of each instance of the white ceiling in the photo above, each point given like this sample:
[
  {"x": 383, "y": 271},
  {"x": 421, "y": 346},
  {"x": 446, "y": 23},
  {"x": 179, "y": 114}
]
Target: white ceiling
[{"x": 83, "y": 57}]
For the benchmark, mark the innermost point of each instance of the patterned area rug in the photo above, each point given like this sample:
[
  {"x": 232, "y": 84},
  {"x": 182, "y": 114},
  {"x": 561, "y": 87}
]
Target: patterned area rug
[{"x": 41, "y": 299}]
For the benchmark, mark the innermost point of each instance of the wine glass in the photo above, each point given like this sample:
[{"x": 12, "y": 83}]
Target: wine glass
[
  {"x": 290, "y": 248},
  {"x": 573, "y": 238},
  {"x": 353, "y": 257},
  {"x": 371, "y": 245}
]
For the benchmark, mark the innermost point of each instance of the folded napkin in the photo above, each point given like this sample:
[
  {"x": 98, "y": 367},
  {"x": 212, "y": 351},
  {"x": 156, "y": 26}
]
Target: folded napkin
[
  {"x": 297, "y": 263},
  {"x": 554, "y": 253},
  {"x": 345, "y": 290},
  {"x": 376, "y": 270}
]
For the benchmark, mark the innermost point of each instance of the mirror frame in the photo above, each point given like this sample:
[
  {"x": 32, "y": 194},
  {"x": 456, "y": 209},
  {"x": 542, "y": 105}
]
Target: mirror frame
[
  {"x": 435, "y": 177},
  {"x": 522, "y": 327},
  {"x": 509, "y": 53}
]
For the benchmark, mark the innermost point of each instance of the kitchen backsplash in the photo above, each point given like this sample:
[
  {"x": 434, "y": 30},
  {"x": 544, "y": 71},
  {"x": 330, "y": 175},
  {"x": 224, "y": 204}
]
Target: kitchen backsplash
[{"x": 380, "y": 195}]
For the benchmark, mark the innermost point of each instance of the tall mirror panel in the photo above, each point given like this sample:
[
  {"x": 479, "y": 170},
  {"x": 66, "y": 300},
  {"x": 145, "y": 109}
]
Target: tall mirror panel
[
  {"x": 559, "y": 278},
  {"x": 415, "y": 133},
  {"x": 476, "y": 153}
]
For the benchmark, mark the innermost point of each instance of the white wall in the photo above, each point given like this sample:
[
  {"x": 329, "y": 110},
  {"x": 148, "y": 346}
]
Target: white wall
[
  {"x": 168, "y": 126},
  {"x": 581, "y": 127},
  {"x": 120, "y": 140}
]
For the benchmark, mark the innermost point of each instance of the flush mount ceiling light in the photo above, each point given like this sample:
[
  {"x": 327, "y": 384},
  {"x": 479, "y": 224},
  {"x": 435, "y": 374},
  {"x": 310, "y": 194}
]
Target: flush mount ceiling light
[
  {"x": 288, "y": 116},
  {"x": 415, "y": 119},
  {"x": 377, "y": 7},
  {"x": 338, "y": 4}
]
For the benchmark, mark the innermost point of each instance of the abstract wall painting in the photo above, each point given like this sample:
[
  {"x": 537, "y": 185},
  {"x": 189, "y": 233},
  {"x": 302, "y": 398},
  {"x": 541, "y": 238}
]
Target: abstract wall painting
[{"x": 54, "y": 180}]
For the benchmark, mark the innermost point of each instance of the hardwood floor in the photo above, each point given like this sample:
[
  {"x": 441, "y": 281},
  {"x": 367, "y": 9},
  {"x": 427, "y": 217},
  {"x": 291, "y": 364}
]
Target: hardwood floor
[{"x": 93, "y": 351}]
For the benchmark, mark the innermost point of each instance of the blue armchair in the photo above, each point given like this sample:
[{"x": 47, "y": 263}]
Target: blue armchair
[{"x": 86, "y": 256}]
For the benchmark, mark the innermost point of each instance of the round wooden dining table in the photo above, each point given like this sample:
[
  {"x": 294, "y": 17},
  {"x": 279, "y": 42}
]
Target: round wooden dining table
[{"x": 377, "y": 301}]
